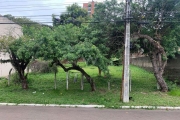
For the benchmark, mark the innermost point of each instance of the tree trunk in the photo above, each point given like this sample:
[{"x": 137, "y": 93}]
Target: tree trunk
[
  {"x": 23, "y": 79},
  {"x": 89, "y": 79},
  {"x": 20, "y": 66},
  {"x": 156, "y": 53},
  {"x": 78, "y": 68},
  {"x": 99, "y": 71},
  {"x": 9, "y": 76},
  {"x": 158, "y": 69},
  {"x": 55, "y": 80}
]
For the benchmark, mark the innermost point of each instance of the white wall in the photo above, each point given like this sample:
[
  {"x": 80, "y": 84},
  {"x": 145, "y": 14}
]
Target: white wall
[
  {"x": 7, "y": 30},
  {"x": 5, "y": 67}
]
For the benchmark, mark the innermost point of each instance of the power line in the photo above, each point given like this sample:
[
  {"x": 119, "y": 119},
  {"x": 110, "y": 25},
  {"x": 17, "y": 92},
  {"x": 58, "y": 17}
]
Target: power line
[
  {"x": 32, "y": 6},
  {"x": 34, "y": 16},
  {"x": 42, "y": 4},
  {"x": 36, "y": 1},
  {"x": 34, "y": 10},
  {"x": 120, "y": 21},
  {"x": 26, "y": 23},
  {"x": 52, "y": 22},
  {"x": 45, "y": 15},
  {"x": 37, "y": 5}
]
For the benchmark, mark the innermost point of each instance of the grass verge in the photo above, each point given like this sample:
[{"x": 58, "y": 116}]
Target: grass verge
[{"x": 41, "y": 89}]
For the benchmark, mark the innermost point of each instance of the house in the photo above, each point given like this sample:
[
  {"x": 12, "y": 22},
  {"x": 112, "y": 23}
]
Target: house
[{"x": 7, "y": 28}]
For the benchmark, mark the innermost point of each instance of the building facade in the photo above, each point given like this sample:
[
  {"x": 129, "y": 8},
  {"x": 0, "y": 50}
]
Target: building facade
[
  {"x": 90, "y": 7},
  {"x": 7, "y": 28}
]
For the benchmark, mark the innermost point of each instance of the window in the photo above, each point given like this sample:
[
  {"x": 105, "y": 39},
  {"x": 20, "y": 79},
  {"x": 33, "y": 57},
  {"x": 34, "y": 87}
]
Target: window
[{"x": 89, "y": 8}]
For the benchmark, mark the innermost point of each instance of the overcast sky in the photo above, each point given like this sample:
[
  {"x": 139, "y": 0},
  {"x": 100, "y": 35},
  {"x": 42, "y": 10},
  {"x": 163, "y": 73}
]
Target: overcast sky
[{"x": 35, "y": 8}]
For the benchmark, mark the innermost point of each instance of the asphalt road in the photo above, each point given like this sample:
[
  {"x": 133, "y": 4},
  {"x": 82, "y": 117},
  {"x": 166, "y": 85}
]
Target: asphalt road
[{"x": 57, "y": 113}]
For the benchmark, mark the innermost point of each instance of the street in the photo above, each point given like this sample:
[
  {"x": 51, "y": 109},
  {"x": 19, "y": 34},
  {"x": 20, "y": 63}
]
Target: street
[{"x": 57, "y": 113}]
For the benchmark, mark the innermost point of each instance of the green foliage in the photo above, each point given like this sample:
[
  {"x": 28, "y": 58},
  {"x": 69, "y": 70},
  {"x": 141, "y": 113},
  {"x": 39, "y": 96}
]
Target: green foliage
[
  {"x": 172, "y": 85},
  {"x": 64, "y": 43},
  {"x": 174, "y": 88},
  {"x": 107, "y": 34},
  {"x": 22, "y": 48},
  {"x": 3, "y": 78},
  {"x": 171, "y": 42},
  {"x": 175, "y": 92},
  {"x": 15, "y": 79},
  {"x": 21, "y": 51},
  {"x": 155, "y": 18},
  {"x": 74, "y": 14}
]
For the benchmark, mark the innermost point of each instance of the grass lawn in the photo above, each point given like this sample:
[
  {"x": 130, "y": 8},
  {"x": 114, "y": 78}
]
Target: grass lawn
[{"x": 41, "y": 89}]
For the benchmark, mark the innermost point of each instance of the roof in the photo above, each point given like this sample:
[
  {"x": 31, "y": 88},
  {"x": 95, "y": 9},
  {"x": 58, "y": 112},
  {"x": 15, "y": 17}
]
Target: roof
[{"x": 14, "y": 30}]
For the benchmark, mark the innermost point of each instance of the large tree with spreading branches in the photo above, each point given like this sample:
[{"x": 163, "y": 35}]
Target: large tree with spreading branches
[{"x": 154, "y": 32}]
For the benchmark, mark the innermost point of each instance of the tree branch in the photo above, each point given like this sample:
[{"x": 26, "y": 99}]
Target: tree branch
[
  {"x": 151, "y": 40},
  {"x": 5, "y": 61}
]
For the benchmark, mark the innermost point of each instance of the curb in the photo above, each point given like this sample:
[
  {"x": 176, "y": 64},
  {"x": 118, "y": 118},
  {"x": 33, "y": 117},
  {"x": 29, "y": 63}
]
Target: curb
[
  {"x": 151, "y": 107},
  {"x": 93, "y": 106},
  {"x": 53, "y": 105}
]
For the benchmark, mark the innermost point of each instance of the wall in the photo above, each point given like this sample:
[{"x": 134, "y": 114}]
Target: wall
[
  {"x": 5, "y": 67},
  {"x": 7, "y": 30},
  {"x": 172, "y": 70},
  {"x": 90, "y": 8}
]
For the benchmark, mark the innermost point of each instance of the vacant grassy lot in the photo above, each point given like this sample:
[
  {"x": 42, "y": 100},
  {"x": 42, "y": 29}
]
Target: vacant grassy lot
[{"x": 41, "y": 89}]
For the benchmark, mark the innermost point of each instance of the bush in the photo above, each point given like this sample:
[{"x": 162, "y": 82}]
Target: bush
[
  {"x": 175, "y": 92},
  {"x": 171, "y": 85},
  {"x": 3, "y": 78},
  {"x": 42, "y": 67},
  {"x": 15, "y": 78}
]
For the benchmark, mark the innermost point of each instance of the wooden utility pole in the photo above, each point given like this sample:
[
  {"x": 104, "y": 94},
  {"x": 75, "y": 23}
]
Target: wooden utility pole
[{"x": 125, "y": 82}]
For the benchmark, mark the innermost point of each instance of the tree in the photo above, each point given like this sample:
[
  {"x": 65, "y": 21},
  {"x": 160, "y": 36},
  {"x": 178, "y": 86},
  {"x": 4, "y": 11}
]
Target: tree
[
  {"x": 74, "y": 15},
  {"x": 111, "y": 26},
  {"x": 171, "y": 42},
  {"x": 154, "y": 36},
  {"x": 106, "y": 29},
  {"x": 150, "y": 27},
  {"x": 64, "y": 43},
  {"x": 20, "y": 51}
]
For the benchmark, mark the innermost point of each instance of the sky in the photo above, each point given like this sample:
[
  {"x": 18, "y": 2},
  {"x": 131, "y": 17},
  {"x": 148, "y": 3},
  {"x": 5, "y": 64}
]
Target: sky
[{"x": 34, "y": 9}]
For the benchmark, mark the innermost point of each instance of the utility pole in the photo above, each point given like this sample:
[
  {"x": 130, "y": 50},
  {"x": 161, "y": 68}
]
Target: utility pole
[{"x": 125, "y": 79}]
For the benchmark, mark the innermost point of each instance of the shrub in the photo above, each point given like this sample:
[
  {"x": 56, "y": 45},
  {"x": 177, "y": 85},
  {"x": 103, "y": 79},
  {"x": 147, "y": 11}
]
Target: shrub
[
  {"x": 175, "y": 92},
  {"x": 15, "y": 78},
  {"x": 171, "y": 85},
  {"x": 42, "y": 67},
  {"x": 3, "y": 78}
]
